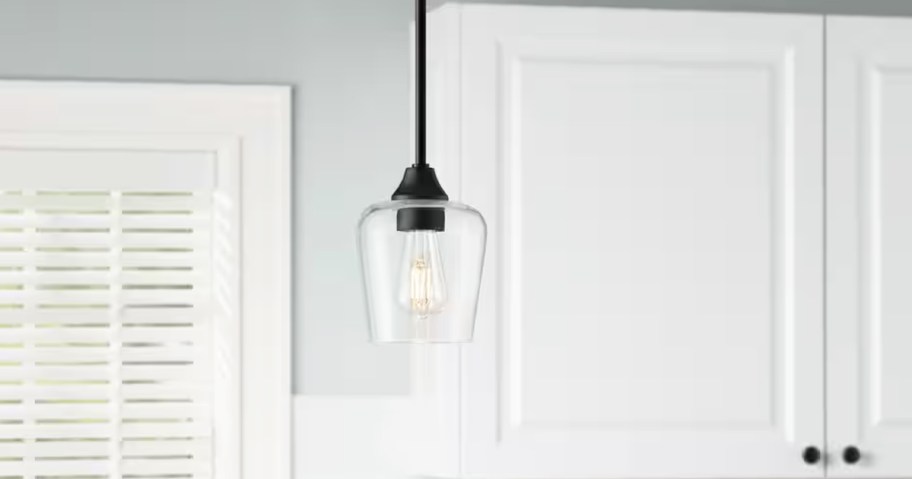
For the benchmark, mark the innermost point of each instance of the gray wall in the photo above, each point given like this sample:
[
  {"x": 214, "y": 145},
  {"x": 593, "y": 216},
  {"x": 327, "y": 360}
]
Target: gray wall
[{"x": 348, "y": 60}]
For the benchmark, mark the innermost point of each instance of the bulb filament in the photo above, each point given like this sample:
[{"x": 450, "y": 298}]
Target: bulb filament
[{"x": 420, "y": 287}]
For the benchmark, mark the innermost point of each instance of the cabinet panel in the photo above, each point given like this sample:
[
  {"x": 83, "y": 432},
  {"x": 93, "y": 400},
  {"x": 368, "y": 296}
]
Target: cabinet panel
[
  {"x": 869, "y": 113},
  {"x": 653, "y": 299},
  {"x": 614, "y": 256}
]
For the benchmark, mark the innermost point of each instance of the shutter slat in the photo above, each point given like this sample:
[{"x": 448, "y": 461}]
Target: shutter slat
[
  {"x": 164, "y": 297},
  {"x": 199, "y": 222},
  {"x": 52, "y": 221},
  {"x": 57, "y": 241},
  {"x": 87, "y": 355},
  {"x": 54, "y": 449},
  {"x": 79, "y": 392},
  {"x": 79, "y": 374},
  {"x": 19, "y": 317},
  {"x": 164, "y": 278},
  {"x": 196, "y": 260},
  {"x": 160, "y": 353},
  {"x": 169, "y": 353},
  {"x": 55, "y": 411},
  {"x": 55, "y": 221},
  {"x": 54, "y": 355},
  {"x": 157, "y": 316},
  {"x": 75, "y": 374},
  {"x": 127, "y": 316},
  {"x": 164, "y": 411},
  {"x": 196, "y": 239},
  {"x": 103, "y": 241},
  {"x": 100, "y": 411},
  {"x": 198, "y": 204},
  {"x": 67, "y": 278},
  {"x": 173, "y": 390},
  {"x": 70, "y": 431},
  {"x": 33, "y": 278},
  {"x": 103, "y": 297},
  {"x": 106, "y": 259},
  {"x": 63, "y": 355},
  {"x": 58, "y": 335},
  {"x": 202, "y": 429},
  {"x": 78, "y": 468},
  {"x": 82, "y": 259},
  {"x": 165, "y": 373},
  {"x": 161, "y": 335},
  {"x": 57, "y": 202},
  {"x": 169, "y": 467},
  {"x": 198, "y": 448}
]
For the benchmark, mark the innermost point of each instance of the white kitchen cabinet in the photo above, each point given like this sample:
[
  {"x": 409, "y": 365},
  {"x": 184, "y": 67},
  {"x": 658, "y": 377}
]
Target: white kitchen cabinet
[
  {"x": 700, "y": 241},
  {"x": 653, "y": 302},
  {"x": 869, "y": 245}
]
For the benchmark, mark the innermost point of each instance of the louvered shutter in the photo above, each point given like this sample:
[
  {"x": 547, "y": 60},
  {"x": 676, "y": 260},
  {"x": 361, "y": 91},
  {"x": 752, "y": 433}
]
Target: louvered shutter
[{"x": 108, "y": 326}]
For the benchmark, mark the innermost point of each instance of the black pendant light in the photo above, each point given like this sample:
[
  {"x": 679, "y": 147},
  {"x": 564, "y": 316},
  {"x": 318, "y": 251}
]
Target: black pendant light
[{"x": 421, "y": 254}]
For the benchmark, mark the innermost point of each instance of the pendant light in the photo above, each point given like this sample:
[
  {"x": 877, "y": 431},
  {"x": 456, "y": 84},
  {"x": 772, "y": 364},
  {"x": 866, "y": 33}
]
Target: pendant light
[{"x": 421, "y": 254}]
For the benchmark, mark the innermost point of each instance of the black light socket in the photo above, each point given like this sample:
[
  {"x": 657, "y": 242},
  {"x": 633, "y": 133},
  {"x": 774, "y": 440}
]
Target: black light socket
[
  {"x": 420, "y": 183},
  {"x": 420, "y": 219}
]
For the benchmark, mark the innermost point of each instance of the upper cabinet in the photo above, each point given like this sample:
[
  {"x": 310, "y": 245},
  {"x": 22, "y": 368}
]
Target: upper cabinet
[
  {"x": 653, "y": 302},
  {"x": 869, "y": 245},
  {"x": 700, "y": 241}
]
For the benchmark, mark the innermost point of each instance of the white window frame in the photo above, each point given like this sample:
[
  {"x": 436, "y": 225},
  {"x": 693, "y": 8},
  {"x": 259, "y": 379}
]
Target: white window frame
[{"x": 246, "y": 125}]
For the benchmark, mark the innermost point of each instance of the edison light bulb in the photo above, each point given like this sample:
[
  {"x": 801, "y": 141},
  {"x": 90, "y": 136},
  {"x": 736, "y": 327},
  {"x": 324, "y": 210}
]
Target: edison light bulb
[{"x": 422, "y": 285}]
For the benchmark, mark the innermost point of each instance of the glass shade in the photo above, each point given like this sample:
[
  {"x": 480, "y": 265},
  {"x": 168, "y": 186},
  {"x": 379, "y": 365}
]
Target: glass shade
[{"x": 421, "y": 285}]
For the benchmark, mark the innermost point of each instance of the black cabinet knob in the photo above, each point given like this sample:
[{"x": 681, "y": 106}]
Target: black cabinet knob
[
  {"x": 851, "y": 455},
  {"x": 811, "y": 455}
]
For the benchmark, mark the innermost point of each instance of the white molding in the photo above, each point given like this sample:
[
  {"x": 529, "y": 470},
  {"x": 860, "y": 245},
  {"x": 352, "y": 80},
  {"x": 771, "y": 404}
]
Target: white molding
[{"x": 216, "y": 119}]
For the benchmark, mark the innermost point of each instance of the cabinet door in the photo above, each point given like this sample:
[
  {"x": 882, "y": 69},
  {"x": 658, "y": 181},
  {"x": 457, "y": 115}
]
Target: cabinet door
[
  {"x": 653, "y": 301},
  {"x": 869, "y": 245}
]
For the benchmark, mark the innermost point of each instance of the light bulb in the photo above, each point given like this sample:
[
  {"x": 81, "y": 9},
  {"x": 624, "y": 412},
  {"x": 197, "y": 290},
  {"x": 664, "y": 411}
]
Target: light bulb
[{"x": 422, "y": 287}]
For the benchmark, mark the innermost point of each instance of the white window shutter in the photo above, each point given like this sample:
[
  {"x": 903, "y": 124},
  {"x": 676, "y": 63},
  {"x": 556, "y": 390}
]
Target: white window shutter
[{"x": 107, "y": 321}]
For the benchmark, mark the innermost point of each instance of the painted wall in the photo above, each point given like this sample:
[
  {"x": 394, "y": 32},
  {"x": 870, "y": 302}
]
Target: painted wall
[{"x": 348, "y": 61}]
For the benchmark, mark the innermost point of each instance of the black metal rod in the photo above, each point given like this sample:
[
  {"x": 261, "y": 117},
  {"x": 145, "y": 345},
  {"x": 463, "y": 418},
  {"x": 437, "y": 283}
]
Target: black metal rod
[{"x": 420, "y": 83}]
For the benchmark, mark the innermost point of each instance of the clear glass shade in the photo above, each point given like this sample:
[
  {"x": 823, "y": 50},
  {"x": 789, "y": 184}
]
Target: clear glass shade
[{"x": 422, "y": 285}]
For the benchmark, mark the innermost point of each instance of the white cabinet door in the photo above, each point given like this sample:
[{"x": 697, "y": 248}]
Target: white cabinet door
[
  {"x": 653, "y": 300},
  {"x": 869, "y": 245}
]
